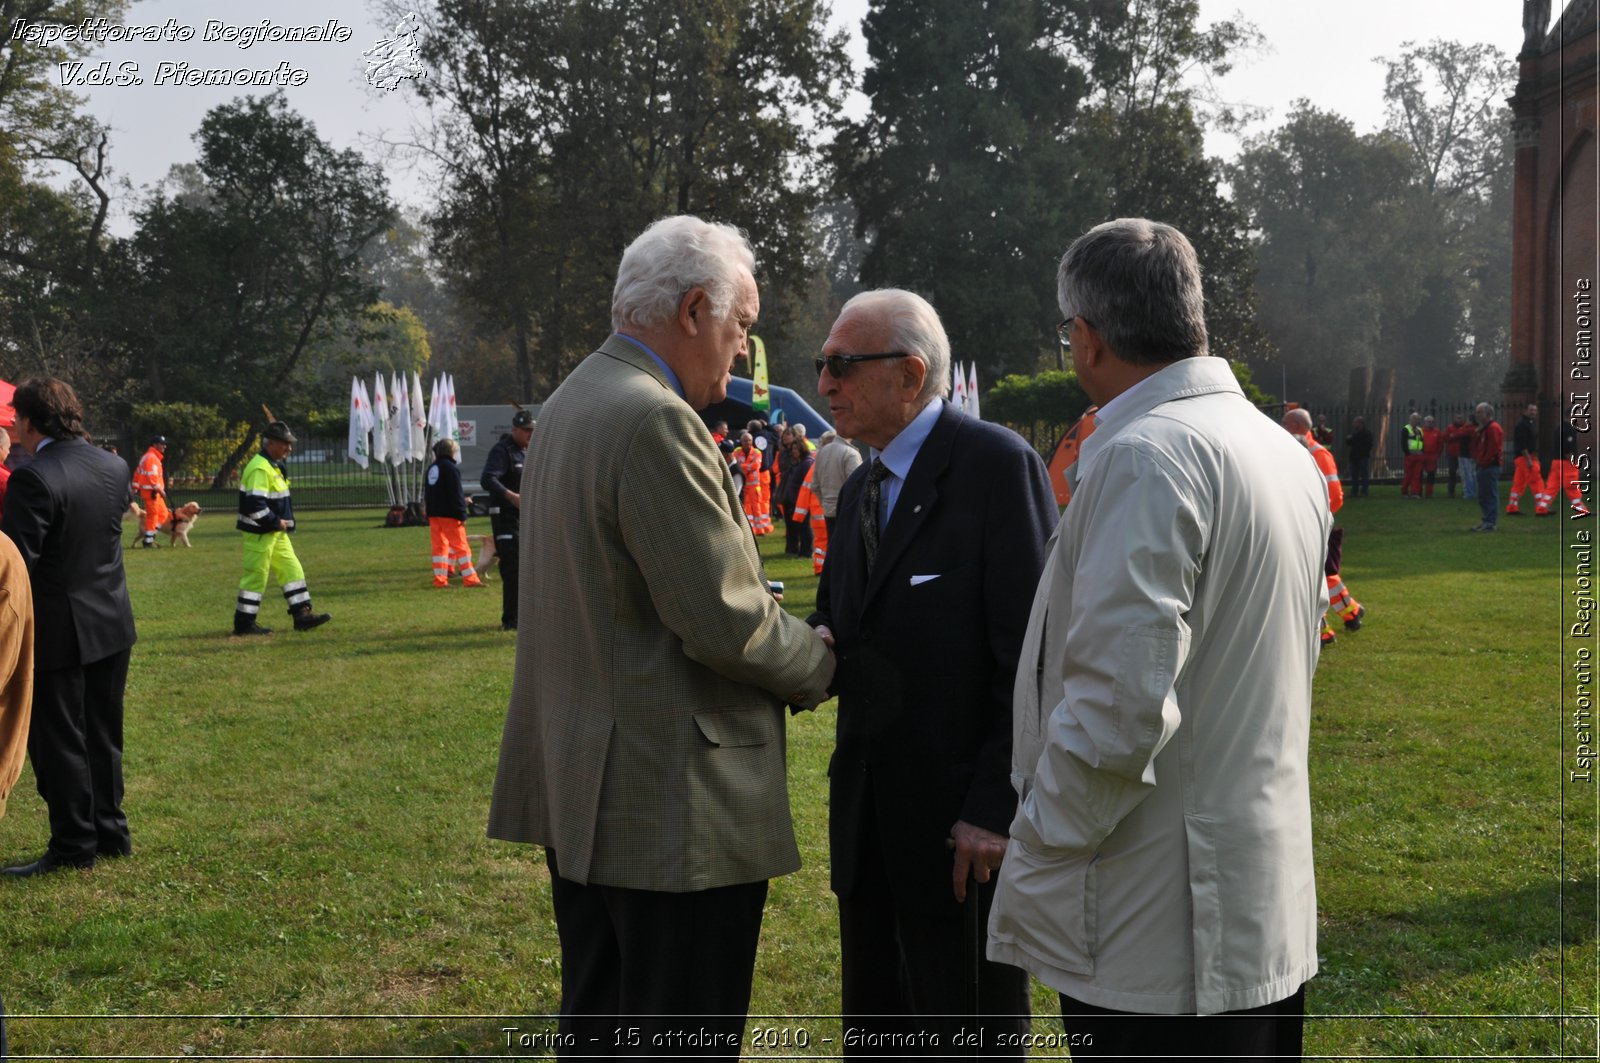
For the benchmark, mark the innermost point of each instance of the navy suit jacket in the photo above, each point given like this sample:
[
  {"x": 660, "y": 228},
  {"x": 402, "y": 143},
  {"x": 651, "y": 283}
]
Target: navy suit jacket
[
  {"x": 64, "y": 511},
  {"x": 925, "y": 668}
]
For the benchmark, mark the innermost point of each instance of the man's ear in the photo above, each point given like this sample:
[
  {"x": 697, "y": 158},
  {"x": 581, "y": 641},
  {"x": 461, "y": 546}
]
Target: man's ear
[
  {"x": 693, "y": 304},
  {"x": 913, "y": 371},
  {"x": 1092, "y": 350}
]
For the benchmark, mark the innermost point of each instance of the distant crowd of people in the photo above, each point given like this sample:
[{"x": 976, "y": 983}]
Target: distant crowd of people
[{"x": 1474, "y": 450}]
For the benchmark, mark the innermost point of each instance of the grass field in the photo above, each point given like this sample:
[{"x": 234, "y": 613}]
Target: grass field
[{"x": 311, "y": 875}]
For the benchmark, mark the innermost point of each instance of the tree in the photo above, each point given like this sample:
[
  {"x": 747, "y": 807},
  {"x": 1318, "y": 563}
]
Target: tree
[
  {"x": 961, "y": 172},
  {"x": 1140, "y": 141},
  {"x": 1337, "y": 236},
  {"x": 1002, "y": 130},
  {"x": 1446, "y": 101},
  {"x": 543, "y": 110},
  {"x": 52, "y": 240},
  {"x": 237, "y": 277}
]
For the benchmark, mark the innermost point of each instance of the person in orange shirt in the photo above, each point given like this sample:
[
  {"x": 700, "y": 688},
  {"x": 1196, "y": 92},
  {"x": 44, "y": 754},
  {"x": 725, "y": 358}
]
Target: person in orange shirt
[
  {"x": 808, "y": 508},
  {"x": 1298, "y": 424},
  {"x": 150, "y": 481}
]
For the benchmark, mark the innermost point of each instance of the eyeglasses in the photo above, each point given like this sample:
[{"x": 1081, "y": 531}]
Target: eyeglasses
[
  {"x": 839, "y": 364},
  {"x": 1064, "y": 331}
]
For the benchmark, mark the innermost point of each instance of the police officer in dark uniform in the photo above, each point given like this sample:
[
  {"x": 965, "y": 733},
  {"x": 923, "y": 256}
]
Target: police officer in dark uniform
[{"x": 502, "y": 478}]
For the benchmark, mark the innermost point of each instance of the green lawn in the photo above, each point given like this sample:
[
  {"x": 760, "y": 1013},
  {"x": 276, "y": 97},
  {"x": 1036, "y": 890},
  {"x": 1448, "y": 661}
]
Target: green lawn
[{"x": 311, "y": 875}]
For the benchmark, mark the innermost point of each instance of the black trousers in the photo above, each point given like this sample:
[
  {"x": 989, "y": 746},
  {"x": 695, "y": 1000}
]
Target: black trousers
[
  {"x": 918, "y": 984},
  {"x": 1271, "y": 1032},
  {"x": 75, "y": 744},
  {"x": 646, "y": 973},
  {"x": 507, "y": 550}
]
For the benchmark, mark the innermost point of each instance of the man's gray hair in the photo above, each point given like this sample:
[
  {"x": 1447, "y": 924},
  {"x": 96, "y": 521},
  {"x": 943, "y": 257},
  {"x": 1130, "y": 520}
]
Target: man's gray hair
[
  {"x": 799, "y": 429},
  {"x": 914, "y": 328},
  {"x": 1485, "y": 407},
  {"x": 1298, "y": 420},
  {"x": 671, "y": 257},
  {"x": 1137, "y": 283}
]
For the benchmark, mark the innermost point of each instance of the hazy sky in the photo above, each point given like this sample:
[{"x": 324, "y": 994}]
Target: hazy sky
[{"x": 1318, "y": 50}]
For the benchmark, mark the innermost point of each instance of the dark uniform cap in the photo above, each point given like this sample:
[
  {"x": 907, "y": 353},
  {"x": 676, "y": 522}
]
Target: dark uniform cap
[
  {"x": 158, "y": 441},
  {"x": 279, "y": 431},
  {"x": 522, "y": 419}
]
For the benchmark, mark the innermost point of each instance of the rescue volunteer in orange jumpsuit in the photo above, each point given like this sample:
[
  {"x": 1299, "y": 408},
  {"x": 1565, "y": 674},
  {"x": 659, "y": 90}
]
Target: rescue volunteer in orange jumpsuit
[
  {"x": 1298, "y": 424},
  {"x": 150, "y": 484},
  {"x": 749, "y": 459},
  {"x": 1563, "y": 476},
  {"x": 808, "y": 507},
  {"x": 1526, "y": 475}
]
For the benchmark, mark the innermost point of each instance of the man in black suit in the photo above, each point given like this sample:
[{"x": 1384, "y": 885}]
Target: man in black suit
[
  {"x": 64, "y": 511},
  {"x": 937, "y": 545}
]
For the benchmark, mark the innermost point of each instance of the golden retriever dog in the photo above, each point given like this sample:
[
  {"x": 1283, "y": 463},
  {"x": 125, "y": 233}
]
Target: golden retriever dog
[{"x": 182, "y": 520}]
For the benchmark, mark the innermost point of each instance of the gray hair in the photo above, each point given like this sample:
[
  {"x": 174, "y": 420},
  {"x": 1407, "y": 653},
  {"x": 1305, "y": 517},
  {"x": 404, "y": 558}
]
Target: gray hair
[
  {"x": 827, "y": 437},
  {"x": 914, "y": 328},
  {"x": 1136, "y": 282},
  {"x": 671, "y": 257},
  {"x": 799, "y": 429},
  {"x": 1484, "y": 407},
  {"x": 1298, "y": 421}
]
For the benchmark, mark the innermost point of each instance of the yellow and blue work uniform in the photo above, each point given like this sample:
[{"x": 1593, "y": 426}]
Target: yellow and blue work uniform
[{"x": 266, "y": 516}]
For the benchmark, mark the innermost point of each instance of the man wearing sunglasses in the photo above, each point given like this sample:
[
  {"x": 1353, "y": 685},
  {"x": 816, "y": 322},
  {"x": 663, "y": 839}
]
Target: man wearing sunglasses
[
  {"x": 644, "y": 742},
  {"x": 1160, "y": 861},
  {"x": 937, "y": 544}
]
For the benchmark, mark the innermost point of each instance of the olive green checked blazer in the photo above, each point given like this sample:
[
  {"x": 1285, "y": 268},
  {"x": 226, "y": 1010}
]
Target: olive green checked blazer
[{"x": 645, "y": 737}]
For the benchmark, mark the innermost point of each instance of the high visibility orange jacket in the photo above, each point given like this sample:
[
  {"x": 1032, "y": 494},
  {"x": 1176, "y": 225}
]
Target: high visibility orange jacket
[
  {"x": 148, "y": 476},
  {"x": 1329, "y": 469}
]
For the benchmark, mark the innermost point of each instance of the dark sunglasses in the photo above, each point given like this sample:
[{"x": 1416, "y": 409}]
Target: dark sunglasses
[{"x": 839, "y": 364}]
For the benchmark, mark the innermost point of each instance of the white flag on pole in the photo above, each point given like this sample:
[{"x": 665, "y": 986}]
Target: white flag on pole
[
  {"x": 380, "y": 420},
  {"x": 418, "y": 443},
  {"x": 436, "y": 411},
  {"x": 357, "y": 445},
  {"x": 399, "y": 420},
  {"x": 450, "y": 408},
  {"x": 972, "y": 389},
  {"x": 958, "y": 389}
]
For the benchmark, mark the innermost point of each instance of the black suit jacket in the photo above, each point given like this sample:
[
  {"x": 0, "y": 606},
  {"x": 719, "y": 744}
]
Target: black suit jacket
[
  {"x": 64, "y": 511},
  {"x": 925, "y": 671}
]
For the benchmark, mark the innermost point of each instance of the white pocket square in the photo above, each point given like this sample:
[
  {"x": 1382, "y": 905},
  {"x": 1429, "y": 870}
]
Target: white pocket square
[{"x": 916, "y": 580}]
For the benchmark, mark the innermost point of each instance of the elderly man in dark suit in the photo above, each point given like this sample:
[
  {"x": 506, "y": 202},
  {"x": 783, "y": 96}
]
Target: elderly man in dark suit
[
  {"x": 644, "y": 743},
  {"x": 64, "y": 511},
  {"x": 938, "y": 544}
]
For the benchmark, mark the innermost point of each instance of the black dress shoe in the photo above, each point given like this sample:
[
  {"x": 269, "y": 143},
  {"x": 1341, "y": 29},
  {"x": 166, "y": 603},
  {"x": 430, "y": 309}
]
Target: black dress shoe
[
  {"x": 253, "y": 629},
  {"x": 45, "y": 864}
]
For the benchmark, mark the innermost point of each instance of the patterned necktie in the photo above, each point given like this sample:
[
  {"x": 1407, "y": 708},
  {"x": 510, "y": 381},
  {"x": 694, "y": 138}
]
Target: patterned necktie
[{"x": 869, "y": 509}]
